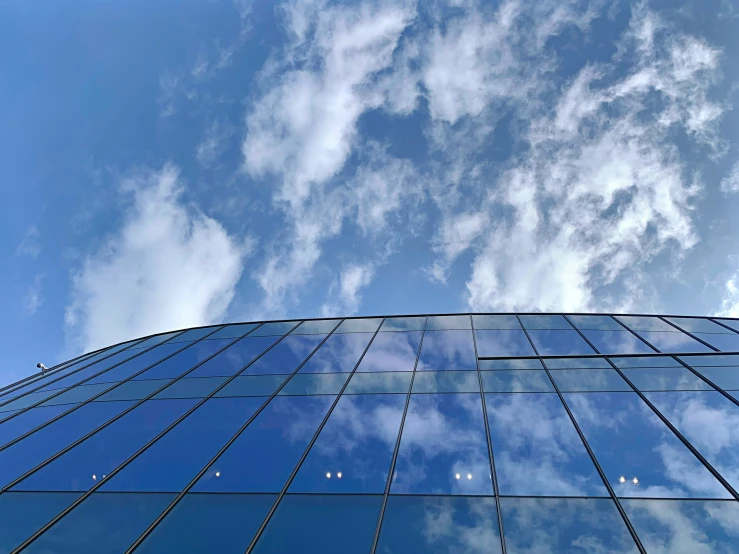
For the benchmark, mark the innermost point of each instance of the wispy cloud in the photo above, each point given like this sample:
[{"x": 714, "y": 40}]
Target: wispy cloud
[
  {"x": 730, "y": 298},
  {"x": 30, "y": 245},
  {"x": 344, "y": 296},
  {"x": 33, "y": 298},
  {"x": 730, "y": 183}
]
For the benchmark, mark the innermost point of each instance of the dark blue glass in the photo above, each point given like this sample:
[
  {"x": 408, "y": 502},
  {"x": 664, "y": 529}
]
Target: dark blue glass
[
  {"x": 559, "y": 343},
  {"x": 252, "y": 385},
  {"x": 202, "y": 522},
  {"x": 392, "y": 352},
  {"x": 24, "y": 513},
  {"x": 316, "y": 327},
  {"x": 512, "y": 363},
  {"x": 596, "y": 322},
  {"x": 197, "y": 387},
  {"x": 234, "y": 358},
  {"x": 639, "y": 454},
  {"x": 26, "y": 400},
  {"x": 340, "y": 353},
  {"x": 733, "y": 323},
  {"x": 711, "y": 360},
  {"x": 286, "y": 356},
  {"x": 133, "y": 390},
  {"x": 89, "y": 462},
  {"x": 726, "y": 377},
  {"x": 158, "y": 339},
  {"x": 390, "y": 382},
  {"x": 572, "y": 525},
  {"x": 446, "y": 381},
  {"x": 725, "y": 343},
  {"x": 496, "y": 322},
  {"x": 544, "y": 322},
  {"x": 274, "y": 328},
  {"x": 175, "y": 459},
  {"x": 447, "y": 350},
  {"x": 516, "y": 381},
  {"x": 496, "y": 342},
  {"x": 617, "y": 342},
  {"x": 77, "y": 394},
  {"x": 689, "y": 526},
  {"x": 443, "y": 449},
  {"x": 233, "y": 331},
  {"x": 368, "y": 325},
  {"x": 129, "y": 368},
  {"x": 665, "y": 378},
  {"x": 645, "y": 323},
  {"x": 672, "y": 342},
  {"x": 588, "y": 380},
  {"x": 34, "y": 449},
  {"x": 537, "y": 449},
  {"x": 438, "y": 524},
  {"x": 697, "y": 325},
  {"x": 196, "y": 334},
  {"x": 183, "y": 361},
  {"x": 263, "y": 456},
  {"x": 403, "y": 324},
  {"x": 315, "y": 383},
  {"x": 318, "y": 524},
  {"x": 105, "y": 523},
  {"x": 353, "y": 452},
  {"x": 14, "y": 428},
  {"x": 441, "y": 322}
]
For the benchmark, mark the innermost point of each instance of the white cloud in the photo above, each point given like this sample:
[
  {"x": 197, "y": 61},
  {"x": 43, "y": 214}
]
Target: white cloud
[
  {"x": 730, "y": 183},
  {"x": 33, "y": 298},
  {"x": 30, "y": 245},
  {"x": 344, "y": 297},
  {"x": 168, "y": 267},
  {"x": 730, "y": 300},
  {"x": 213, "y": 144}
]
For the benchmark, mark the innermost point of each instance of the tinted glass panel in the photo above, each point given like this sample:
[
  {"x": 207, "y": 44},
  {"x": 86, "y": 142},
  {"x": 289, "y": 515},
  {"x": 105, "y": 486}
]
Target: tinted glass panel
[
  {"x": 403, "y": 324},
  {"x": 443, "y": 449},
  {"x": 252, "y": 385},
  {"x": 495, "y": 322},
  {"x": 340, "y": 353},
  {"x": 185, "y": 360},
  {"x": 617, "y": 342},
  {"x": 725, "y": 377},
  {"x": 362, "y": 383},
  {"x": 577, "y": 363},
  {"x": 712, "y": 360},
  {"x": 359, "y": 325},
  {"x": 353, "y": 452},
  {"x": 446, "y": 381},
  {"x": 537, "y": 450},
  {"x": 559, "y": 343},
  {"x": 395, "y": 351},
  {"x": 673, "y": 342},
  {"x": 133, "y": 390},
  {"x": 233, "y": 331},
  {"x": 286, "y": 356},
  {"x": 523, "y": 363},
  {"x": 650, "y": 361},
  {"x": 733, "y": 323},
  {"x": 496, "y": 342},
  {"x": 725, "y": 343},
  {"x": 275, "y": 328},
  {"x": 322, "y": 327},
  {"x": 198, "y": 387},
  {"x": 435, "y": 524},
  {"x": 196, "y": 334},
  {"x": 665, "y": 378},
  {"x": 645, "y": 323},
  {"x": 77, "y": 394},
  {"x": 447, "y": 350},
  {"x": 596, "y": 322},
  {"x": 133, "y": 366},
  {"x": 516, "y": 381},
  {"x": 234, "y": 358},
  {"x": 439, "y": 322},
  {"x": 571, "y": 380},
  {"x": 315, "y": 383},
  {"x": 27, "y": 400},
  {"x": 151, "y": 341},
  {"x": 544, "y": 322},
  {"x": 14, "y": 428},
  {"x": 697, "y": 325}
]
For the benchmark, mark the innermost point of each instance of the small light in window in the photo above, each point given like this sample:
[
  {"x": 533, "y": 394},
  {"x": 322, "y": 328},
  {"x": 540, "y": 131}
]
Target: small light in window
[
  {"x": 328, "y": 475},
  {"x": 218, "y": 473},
  {"x": 94, "y": 477},
  {"x": 635, "y": 481},
  {"x": 338, "y": 475},
  {"x": 469, "y": 476},
  {"x": 622, "y": 479},
  {"x": 458, "y": 476}
]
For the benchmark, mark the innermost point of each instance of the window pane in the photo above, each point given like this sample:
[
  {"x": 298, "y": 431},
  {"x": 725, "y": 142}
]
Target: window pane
[
  {"x": 712, "y": 360},
  {"x": 184, "y": 360},
  {"x": 651, "y": 361},
  {"x": 392, "y": 352},
  {"x": 544, "y": 322},
  {"x": 554, "y": 525},
  {"x": 27, "y": 400},
  {"x": 186, "y": 448},
  {"x": 572, "y": 380},
  {"x": 403, "y": 324},
  {"x": 725, "y": 343},
  {"x": 665, "y": 378},
  {"x": 102, "y": 534},
  {"x": 685, "y": 525},
  {"x": 725, "y": 377},
  {"x": 233, "y": 331},
  {"x": 523, "y": 363},
  {"x": 595, "y": 322},
  {"x": 234, "y": 358},
  {"x": 353, "y": 452},
  {"x": 316, "y": 327},
  {"x": 436, "y": 524},
  {"x": 362, "y": 383},
  {"x": 495, "y": 322},
  {"x": 196, "y": 334},
  {"x": 630, "y": 442},
  {"x": 516, "y": 381},
  {"x": 494, "y": 342},
  {"x": 285, "y": 357},
  {"x": 559, "y": 343},
  {"x": 577, "y": 363},
  {"x": 617, "y": 342},
  {"x": 447, "y": 350},
  {"x": 673, "y": 342},
  {"x": 359, "y": 325},
  {"x": 440, "y": 322},
  {"x": 197, "y": 387},
  {"x": 536, "y": 448},
  {"x": 315, "y": 383},
  {"x": 733, "y": 323},
  {"x": 645, "y": 323},
  {"x": 218, "y": 523},
  {"x": 252, "y": 385},
  {"x": 340, "y": 353},
  {"x": 24, "y": 513},
  {"x": 443, "y": 449},
  {"x": 274, "y": 328},
  {"x": 134, "y": 365},
  {"x": 303, "y": 520},
  {"x": 263, "y": 456},
  {"x": 14, "y": 428},
  {"x": 697, "y": 325},
  {"x": 446, "y": 381},
  {"x": 84, "y": 465},
  {"x": 133, "y": 390},
  {"x": 158, "y": 339},
  {"x": 77, "y": 394}
]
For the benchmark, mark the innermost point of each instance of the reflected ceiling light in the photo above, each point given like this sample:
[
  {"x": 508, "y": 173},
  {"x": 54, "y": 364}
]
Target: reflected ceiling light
[
  {"x": 458, "y": 476},
  {"x": 218, "y": 473},
  {"x": 328, "y": 475},
  {"x": 622, "y": 479},
  {"x": 635, "y": 481},
  {"x": 469, "y": 476},
  {"x": 338, "y": 475}
]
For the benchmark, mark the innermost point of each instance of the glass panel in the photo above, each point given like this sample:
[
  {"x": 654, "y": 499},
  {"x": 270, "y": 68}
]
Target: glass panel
[
  {"x": 316, "y": 327},
  {"x": 573, "y": 525},
  {"x": 516, "y": 381},
  {"x": 102, "y": 534},
  {"x": 315, "y": 383},
  {"x": 573, "y": 380},
  {"x": 218, "y": 523},
  {"x": 710, "y": 421},
  {"x": 523, "y": 363},
  {"x": 712, "y": 360},
  {"x": 447, "y": 350},
  {"x": 77, "y": 394},
  {"x": 391, "y": 382},
  {"x": 436, "y": 524},
  {"x": 233, "y": 359},
  {"x": 645, "y": 323},
  {"x": 673, "y": 342},
  {"x": 617, "y": 342},
  {"x": 186, "y": 448},
  {"x": 403, "y": 324},
  {"x": 685, "y": 526},
  {"x": 596, "y": 322},
  {"x": 494, "y": 342},
  {"x": 183, "y": 361},
  {"x": 725, "y": 343},
  {"x": 87, "y": 463},
  {"x": 134, "y": 365},
  {"x": 577, "y": 363},
  {"x": 733, "y": 323},
  {"x": 359, "y": 325},
  {"x": 665, "y": 378},
  {"x": 133, "y": 390},
  {"x": 274, "y": 328},
  {"x": 286, "y": 356},
  {"x": 638, "y": 453},
  {"x": 198, "y": 387},
  {"x": 443, "y": 449},
  {"x": 252, "y": 385},
  {"x": 446, "y": 381},
  {"x": 263, "y": 456},
  {"x": 544, "y": 322},
  {"x": 697, "y": 325},
  {"x": 559, "y": 343},
  {"x": 353, "y": 452},
  {"x": 340, "y": 353},
  {"x": 34, "y": 449},
  {"x": 24, "y": 513},
  {"x": 233, "y": 331},
  {"x": 303, "y": 520},
  {"x": 725, "y": 377},
  {"x": 651, "y": 361},
  {"x": 537, "y": 449},
  {"x": 196, "y": 334},
  {"x": 28, "y": 400},
  {"x": 14, "y": 428},
  {"x": 392, "y": 352},
  {"x": 495, "y": 322},
  {"x": 441, "y": 322},
  {"x": 158, "y": 339}
]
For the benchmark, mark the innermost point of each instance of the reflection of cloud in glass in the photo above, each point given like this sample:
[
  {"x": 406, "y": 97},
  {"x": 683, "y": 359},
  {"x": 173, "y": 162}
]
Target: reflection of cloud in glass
[
  {"x": 559, "y": 343},
  {"x": 339, "y": 353},
  {"x": 673, "y": 342},
  {"x": 447, "y": 350},
  {"x": 621, "y": 342},
  {"x": 392, "y": 351}
]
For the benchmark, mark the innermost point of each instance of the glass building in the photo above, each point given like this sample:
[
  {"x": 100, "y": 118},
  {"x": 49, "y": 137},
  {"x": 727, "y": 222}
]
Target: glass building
[{"x": 465, "y": 433}]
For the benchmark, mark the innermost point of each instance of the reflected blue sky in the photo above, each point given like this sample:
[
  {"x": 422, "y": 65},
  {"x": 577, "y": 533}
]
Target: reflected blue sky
[
  {"x": 185, "y": 360},
  {"x": 725, "y": 343},
  {"x": 665, "y": 378},
  {"x": 403, "y": 324},
  {"x": 447, "y": 350},
  {"x": 127, "y": 369},
  {"x": 595, "y": 322},
  {"x": 286, "y": 356},
  {"x": 439, "y": 322},
  {"x": 544, "y": 321},
  {"x": 559, "y": 343},
  {"x": 621, "y": 342},
  {"x": 235, "y": 357},
  {"x": 588, "y": 380},
  {"x": 673, "y": 342},
  {"x": 340, "y": 353},
  {"x": 496, "y": 322},
  {"x": 512, "y": 363},
  {"x": 697, "y": 325},
  {"x": 446, "y": 381},
  {"x": 392, "y": 351},
  {"x": 497, "y": 342},
  {"x": 645, "y": 323},
  {"x": 516, "y": 381},
  {"x": 726, "y": 377},
  {"x": 389, "y": 382}
]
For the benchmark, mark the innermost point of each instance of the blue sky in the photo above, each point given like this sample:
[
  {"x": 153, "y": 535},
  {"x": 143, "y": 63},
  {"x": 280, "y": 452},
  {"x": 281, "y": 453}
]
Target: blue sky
[{"x": 167, "y": 166}]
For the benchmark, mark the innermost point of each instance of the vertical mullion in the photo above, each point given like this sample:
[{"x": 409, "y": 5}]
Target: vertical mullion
[
  {"x": 386, "y": 492},
  {"x": 691, "y": 335},
  {"x": 602, "y": 474},
  {"x": 493, "y": 474}
]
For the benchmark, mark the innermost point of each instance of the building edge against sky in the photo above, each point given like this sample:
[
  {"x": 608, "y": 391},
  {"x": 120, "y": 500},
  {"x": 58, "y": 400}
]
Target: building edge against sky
[{"x": 427, "y": 433}]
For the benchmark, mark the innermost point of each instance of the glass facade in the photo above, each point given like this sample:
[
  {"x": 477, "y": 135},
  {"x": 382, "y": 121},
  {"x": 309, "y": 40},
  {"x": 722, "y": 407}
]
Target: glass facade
[{"x": 464, "y": 433}]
